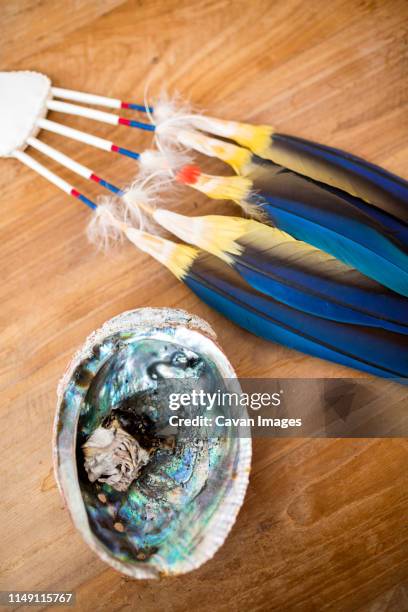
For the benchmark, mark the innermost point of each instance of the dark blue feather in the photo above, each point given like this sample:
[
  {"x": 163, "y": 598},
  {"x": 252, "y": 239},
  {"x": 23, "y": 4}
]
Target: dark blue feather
[
  {"x": 340, "y": 295},
  {"x": 344, "y": 171},
  {"x": 386, "y": 224},
  {"x": 369, "y": 349},
  {"x": 391, "y": 227},
  {"x": 310, "y": 213}
]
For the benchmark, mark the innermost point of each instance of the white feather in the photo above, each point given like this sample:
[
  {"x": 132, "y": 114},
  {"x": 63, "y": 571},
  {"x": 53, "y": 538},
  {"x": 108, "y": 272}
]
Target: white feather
[
  {"x": 171, "y": 108},
  {"x": 106, "y": 225},
  {"x": 171, "y": 115},
  {"x": 164, "y": 163},
  {"x": 142, "y": 197}
]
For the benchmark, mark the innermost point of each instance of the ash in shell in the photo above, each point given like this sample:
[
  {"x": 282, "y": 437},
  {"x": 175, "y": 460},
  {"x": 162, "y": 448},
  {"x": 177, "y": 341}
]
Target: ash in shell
[{"x": 148, "y": 498}]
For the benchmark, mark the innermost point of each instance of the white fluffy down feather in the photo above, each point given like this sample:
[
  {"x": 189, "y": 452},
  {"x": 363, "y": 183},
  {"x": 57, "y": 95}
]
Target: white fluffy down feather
[
  {"x": 170, "y": 115},
  {"x": 171, "y": 108},
  {"x": 142, "y": 198},
  {"x": 165, "y": 163},
  {"x": 106, "y": 224}
]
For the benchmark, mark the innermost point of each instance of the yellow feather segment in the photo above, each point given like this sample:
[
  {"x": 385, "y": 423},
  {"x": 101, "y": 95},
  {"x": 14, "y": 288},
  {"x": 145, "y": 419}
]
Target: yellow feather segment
[
  {"x": 237, "y": 157},
  {"x": 254, "y": 137},
  {"x": 213, "y": 233},
  {"x": 178, "y": 258},
  {"x": 235, "y": 188},
  {"x": 225, "y": 236}
]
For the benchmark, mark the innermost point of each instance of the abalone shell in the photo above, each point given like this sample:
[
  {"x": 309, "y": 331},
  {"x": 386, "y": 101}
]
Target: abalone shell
[{"x": 148, "y": 498}]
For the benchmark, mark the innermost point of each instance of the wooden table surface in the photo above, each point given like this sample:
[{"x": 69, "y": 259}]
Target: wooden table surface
[{"x": 324, "y": 525}]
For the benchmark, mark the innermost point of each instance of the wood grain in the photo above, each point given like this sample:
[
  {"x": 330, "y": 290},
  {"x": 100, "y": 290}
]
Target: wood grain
[{"x": 324, "y": 526}]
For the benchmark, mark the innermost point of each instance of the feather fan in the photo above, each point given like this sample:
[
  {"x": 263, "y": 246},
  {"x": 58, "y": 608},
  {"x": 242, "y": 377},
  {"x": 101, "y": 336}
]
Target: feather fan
[
  {"x": 370, "y": 349},
  {"x": 246, "y": 163},
  {"x": 290, "y": 270},
  {"x": 317, "y": 216},
  {"x": 325, "y": 164}
]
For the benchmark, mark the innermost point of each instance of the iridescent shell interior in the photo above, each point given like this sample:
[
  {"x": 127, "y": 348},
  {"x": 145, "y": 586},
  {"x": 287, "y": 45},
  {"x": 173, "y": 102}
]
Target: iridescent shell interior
[{"x": 178, "y": 510}]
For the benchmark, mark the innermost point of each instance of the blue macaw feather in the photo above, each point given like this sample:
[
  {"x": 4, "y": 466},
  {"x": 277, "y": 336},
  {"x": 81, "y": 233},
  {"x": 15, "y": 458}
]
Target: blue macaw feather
[
  {"x": 291, "y": 271},
  {"x": 342, "y": 170},
  {"x": 370, "y": 349},
  {"x": 323, "y": 288},
  {"x": 394, "y": 229},
  {"x": 315, "y": 215},
  {"x": 391, "y": 227}
]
